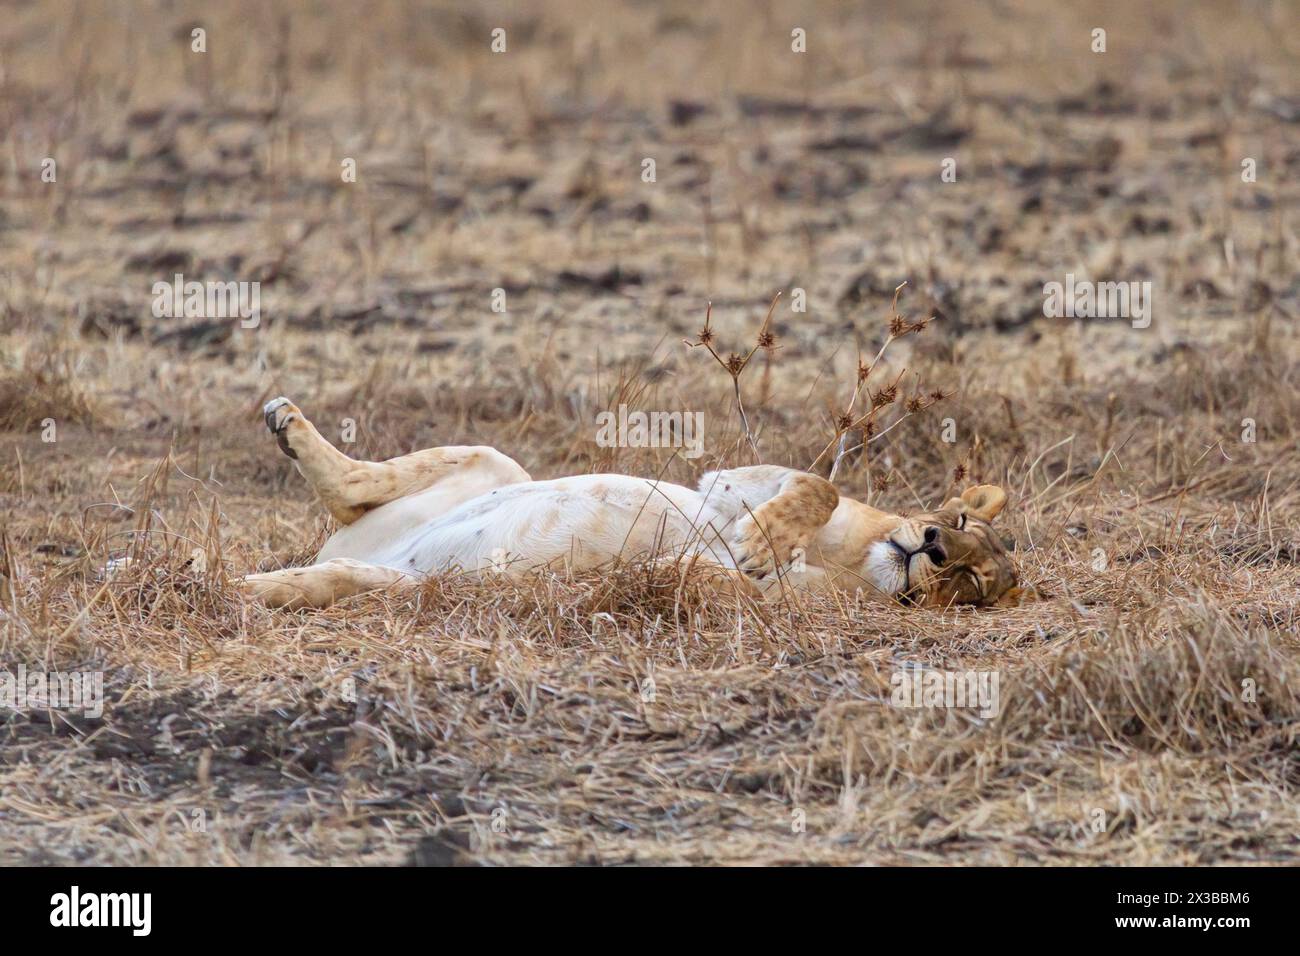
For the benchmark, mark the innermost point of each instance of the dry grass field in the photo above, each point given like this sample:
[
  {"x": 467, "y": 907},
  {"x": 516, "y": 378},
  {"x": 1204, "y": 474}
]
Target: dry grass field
[{"x": 1150, "y": 699}]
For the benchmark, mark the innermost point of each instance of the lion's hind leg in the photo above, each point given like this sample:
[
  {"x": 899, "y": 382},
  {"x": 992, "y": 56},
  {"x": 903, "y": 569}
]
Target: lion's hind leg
[
  {"x": 320, "y": 585},
  {"x": 349, "y": 488}
]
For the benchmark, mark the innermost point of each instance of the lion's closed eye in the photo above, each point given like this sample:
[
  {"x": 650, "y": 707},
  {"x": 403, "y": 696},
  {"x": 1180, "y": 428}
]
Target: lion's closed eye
[{"x": 970, "y": 587}]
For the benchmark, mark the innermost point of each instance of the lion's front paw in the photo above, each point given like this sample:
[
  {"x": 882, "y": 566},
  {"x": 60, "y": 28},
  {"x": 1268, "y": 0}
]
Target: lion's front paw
[
  {"x": 717, "y": 578},
  {"x": 759, "y": 549},
  {"x": 280, "y": 413}
]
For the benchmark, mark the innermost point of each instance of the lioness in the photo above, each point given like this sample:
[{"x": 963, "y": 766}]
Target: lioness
[{"x": 474, "y": 509}]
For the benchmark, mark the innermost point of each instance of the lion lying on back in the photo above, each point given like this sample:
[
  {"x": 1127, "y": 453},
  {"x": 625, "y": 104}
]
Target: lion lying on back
[{"x": 474, "y": 509}]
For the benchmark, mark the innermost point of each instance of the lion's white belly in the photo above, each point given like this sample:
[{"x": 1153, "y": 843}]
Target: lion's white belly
[{"x": 582, "y": 521}]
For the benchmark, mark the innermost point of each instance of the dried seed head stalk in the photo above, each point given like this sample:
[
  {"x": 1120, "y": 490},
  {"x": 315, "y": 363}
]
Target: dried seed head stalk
[
  {"x": 853, "y": 431},
  {"x": 734, "y": 364},
  {"x": 962, "y": 470}
]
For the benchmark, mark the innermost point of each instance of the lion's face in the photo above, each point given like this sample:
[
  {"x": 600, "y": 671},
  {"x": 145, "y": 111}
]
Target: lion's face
[{"x": 949, "y": 556}]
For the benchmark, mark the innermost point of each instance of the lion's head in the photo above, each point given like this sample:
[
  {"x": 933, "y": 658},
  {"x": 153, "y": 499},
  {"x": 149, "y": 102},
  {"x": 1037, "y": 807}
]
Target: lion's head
[{"x": 949, "y": 556}]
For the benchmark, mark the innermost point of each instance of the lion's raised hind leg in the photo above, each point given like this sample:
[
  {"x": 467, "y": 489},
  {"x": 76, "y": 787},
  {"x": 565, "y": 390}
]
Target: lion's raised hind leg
[{"x": 349, "y": 488}]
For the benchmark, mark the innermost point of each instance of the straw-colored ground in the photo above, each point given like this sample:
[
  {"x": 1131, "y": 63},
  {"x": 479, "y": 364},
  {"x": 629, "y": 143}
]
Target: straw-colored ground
[{"x": 511, "y": 723}]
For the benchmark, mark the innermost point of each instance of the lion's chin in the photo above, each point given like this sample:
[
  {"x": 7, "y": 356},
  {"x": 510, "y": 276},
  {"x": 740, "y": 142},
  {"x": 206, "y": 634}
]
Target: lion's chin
[{"x": 885, "y": 570}]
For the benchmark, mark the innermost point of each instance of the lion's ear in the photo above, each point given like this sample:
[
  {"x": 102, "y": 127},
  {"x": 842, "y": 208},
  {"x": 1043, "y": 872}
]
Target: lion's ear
[
  {"x": 1011, "y": 597},
  {"x": 984, "y": 501},
  {"x": 1018, "y": 596}
]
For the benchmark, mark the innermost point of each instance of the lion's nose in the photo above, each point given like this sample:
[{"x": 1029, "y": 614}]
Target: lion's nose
[{"x": 932, "y": 548}]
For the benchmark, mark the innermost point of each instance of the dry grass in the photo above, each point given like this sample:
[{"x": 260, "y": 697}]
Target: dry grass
[{"x": 526, "y": 704}]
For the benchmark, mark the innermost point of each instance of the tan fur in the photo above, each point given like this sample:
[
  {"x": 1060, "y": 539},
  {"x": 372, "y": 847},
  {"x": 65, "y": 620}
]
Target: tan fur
[
  {"x": 475, "y": 510},
  {"x": 768, "y": 536},
  {"x": 349, "y": 488}
]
